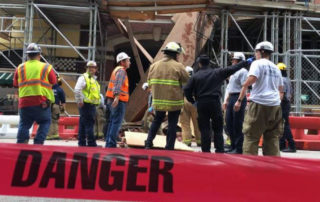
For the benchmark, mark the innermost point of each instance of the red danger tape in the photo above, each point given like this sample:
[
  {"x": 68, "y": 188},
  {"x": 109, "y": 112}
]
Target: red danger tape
[{"x": 153, "y": 175}]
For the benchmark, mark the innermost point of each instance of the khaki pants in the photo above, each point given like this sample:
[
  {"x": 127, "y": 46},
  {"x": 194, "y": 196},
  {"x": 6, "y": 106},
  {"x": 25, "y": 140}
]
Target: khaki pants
[
  {"x": 99, "y": 122},
  {"x": 55, "y": 115},
  {"x": 189, "y": 112},
  {"x": 266, "y": 120}
]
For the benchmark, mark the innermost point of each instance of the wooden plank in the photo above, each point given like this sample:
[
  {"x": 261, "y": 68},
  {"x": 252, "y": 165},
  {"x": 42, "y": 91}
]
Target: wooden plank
[
  {"x": 134, "y": 49},
  {"x": 152, "y": 3},
  {"x": 136, "y": 139},
  {"x": 183, "y": 32},
  {"x": 142, "y": 49}
]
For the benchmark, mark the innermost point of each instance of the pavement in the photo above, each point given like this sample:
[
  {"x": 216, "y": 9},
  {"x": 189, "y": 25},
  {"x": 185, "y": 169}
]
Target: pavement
[{"x": 300, "y": 154}]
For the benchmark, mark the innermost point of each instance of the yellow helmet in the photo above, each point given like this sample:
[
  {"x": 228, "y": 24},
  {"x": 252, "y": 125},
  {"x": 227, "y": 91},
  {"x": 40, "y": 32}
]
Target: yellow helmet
[
  {"x": 281, "y": 66},
  {"x": 174, "y": 47}
]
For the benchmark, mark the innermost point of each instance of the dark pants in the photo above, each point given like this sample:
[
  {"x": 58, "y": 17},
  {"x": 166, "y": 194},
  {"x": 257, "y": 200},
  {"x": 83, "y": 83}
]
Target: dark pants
[
  {"x": 234, "y": 122},
  {"x": 210, "y": 111},
  {"x": 86, "y": 124},
  {"x": 28, "y": 115},
  {"x": 287, "y": 135},
  {"x": 173, "y": 117}
]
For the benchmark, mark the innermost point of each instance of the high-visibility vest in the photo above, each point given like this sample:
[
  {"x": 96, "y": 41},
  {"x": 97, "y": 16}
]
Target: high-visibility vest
[
  {"x": 124, "y": 91},
  {"x": 33, "y": 80},
  {"x": 92, "y": 90}
]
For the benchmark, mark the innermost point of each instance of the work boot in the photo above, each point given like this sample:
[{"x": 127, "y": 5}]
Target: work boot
[
  {"x": 234, "y": 151},
  {"x": 53, "y": 137},
  {"x": 289, "y": 150},
  {"x": 148, "y": 145}
]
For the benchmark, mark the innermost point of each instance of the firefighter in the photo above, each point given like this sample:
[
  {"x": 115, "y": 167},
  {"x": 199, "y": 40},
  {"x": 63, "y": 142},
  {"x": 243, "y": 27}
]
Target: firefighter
[
  {"x": 264, "y": 114},
  {"x": 165, "y": 79}
]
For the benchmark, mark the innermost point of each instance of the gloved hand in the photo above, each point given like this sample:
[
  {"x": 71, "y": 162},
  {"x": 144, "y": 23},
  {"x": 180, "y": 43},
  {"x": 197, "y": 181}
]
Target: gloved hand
[
  {"x": 189, "y": 70},
  {"x": 250, "y": 60},
  {"x": 145, "y": 86},
  {"x": 150, "y": 109}
]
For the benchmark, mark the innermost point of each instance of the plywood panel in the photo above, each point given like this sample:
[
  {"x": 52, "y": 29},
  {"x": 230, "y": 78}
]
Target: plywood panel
[{"x": 137, "y": 140}]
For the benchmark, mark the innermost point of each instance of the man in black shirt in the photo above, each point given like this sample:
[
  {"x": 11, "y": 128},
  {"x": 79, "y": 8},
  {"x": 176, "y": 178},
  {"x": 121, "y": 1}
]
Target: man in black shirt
[{"x": 205, "y": 87}]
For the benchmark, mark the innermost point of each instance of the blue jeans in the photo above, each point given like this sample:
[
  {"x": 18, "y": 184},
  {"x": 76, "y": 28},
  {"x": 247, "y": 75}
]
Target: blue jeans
[
  {"x": 86, "y": 123},
  {"x": 28, "y": 115},
  {"x": 234, "y": 122},
  {"x": 116, "y": 116}
]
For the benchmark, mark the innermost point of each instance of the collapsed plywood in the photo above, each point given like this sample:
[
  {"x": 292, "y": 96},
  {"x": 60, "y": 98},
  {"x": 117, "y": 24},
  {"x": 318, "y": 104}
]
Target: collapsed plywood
[{"x": 136, "y": 139}]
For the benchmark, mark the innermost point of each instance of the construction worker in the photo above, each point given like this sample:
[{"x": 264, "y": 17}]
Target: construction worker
[
  {"x": 165, "y": 79},
  {"x": 264, "y": 112},
  {"x": 285, "y": 106},
  {"x": 189, "y": 113},
  {"x": 87, "y": 96},
  {"x": 35, "y": 80},
  {"x": 234, "y": 120},
  {"x": 205, "y": 87},
  {"x": 117, "y": 98},
  {"x": 56, "y": 109}
]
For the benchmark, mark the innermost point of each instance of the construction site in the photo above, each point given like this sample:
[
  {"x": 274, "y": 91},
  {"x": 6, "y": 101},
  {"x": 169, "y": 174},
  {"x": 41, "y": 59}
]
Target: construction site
[{"x": 71, "y": 33}]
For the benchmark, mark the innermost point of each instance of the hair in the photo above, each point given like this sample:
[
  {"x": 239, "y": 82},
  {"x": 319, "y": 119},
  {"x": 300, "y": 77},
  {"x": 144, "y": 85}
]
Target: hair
[
  {"x": 171, "y": 54},
  {"x": 33, "y": 55},
  {"x": 284, "y": 73},
  {"x": 265, "y": 53}
]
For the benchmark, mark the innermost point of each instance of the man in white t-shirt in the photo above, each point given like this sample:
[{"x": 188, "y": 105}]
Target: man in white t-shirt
[{"x": 264, "y": 113}]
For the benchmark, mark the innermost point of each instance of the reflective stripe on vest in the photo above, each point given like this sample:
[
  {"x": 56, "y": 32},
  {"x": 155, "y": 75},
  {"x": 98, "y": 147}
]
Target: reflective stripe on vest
[
  {"x": 33, "y": 81},
  {"x": 92, "y": 91},
  {"x": 124, "y": 91}
]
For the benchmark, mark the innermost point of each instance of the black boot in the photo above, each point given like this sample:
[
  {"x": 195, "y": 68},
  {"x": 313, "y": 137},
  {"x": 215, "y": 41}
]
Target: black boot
[
  {"x": 148, "y": 145},
  {"x": 291, "y": 150}
]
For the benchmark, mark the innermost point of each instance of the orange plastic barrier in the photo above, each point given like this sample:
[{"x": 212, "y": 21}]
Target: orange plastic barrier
[
  {"x": 299, "y": 125},
  {"x": 68, "y": 128}
]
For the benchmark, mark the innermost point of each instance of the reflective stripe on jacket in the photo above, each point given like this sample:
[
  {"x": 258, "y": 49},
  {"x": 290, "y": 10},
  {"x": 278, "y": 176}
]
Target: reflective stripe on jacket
[
  {"x": 165, "y": 79},
  {"x": 33, "y": 80}
]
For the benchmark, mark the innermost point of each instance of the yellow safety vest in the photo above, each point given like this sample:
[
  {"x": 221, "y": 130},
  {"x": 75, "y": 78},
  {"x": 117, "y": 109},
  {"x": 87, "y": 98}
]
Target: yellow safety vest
[
  {"x": 33, "y": 80},
  {"x": 92, "y": 91}
]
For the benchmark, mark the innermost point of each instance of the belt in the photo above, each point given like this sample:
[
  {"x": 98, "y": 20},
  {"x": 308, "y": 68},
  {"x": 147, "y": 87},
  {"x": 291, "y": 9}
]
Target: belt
[{"x": 234, "y": 93}]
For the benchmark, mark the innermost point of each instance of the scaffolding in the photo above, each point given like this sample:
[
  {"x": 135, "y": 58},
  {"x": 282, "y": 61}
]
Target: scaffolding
[
  {"x": 295, "y": 36},
  {"x": 26, "y": 26}
]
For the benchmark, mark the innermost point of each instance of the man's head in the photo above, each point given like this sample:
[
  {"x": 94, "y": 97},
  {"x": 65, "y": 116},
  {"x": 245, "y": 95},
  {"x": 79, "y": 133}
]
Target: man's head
[
  {"x": 173, "y": 50},
  {"x": 33, "y": 51},
  {"x": 204, "y": 60},
  {"x": 263, "y": 50},
  {"x": 91, "y": 67},
  {"x": 237, "y": 57},
  {"x": 123, "y": 60}
]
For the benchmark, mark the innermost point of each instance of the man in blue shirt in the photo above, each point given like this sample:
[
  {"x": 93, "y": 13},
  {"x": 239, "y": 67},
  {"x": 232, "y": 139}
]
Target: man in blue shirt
[
  {"x": 56, "y": 109},
  {"x": 234, "y": 120}
]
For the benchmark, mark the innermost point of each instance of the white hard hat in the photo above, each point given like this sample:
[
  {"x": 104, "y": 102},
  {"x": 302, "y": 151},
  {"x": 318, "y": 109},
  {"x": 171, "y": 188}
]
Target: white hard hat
[
  {"x": 33, "y": 48},
  {"x": 145, "y": 86},
  {"x": 91, "y": 63},
  {"x": 189, "y": 69},
  {"x": 122, "y": 56},
  {"x": 264, "y": 45},
  {"x": 238, "y": 56},
  {"x": 174, "y": 47}
]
